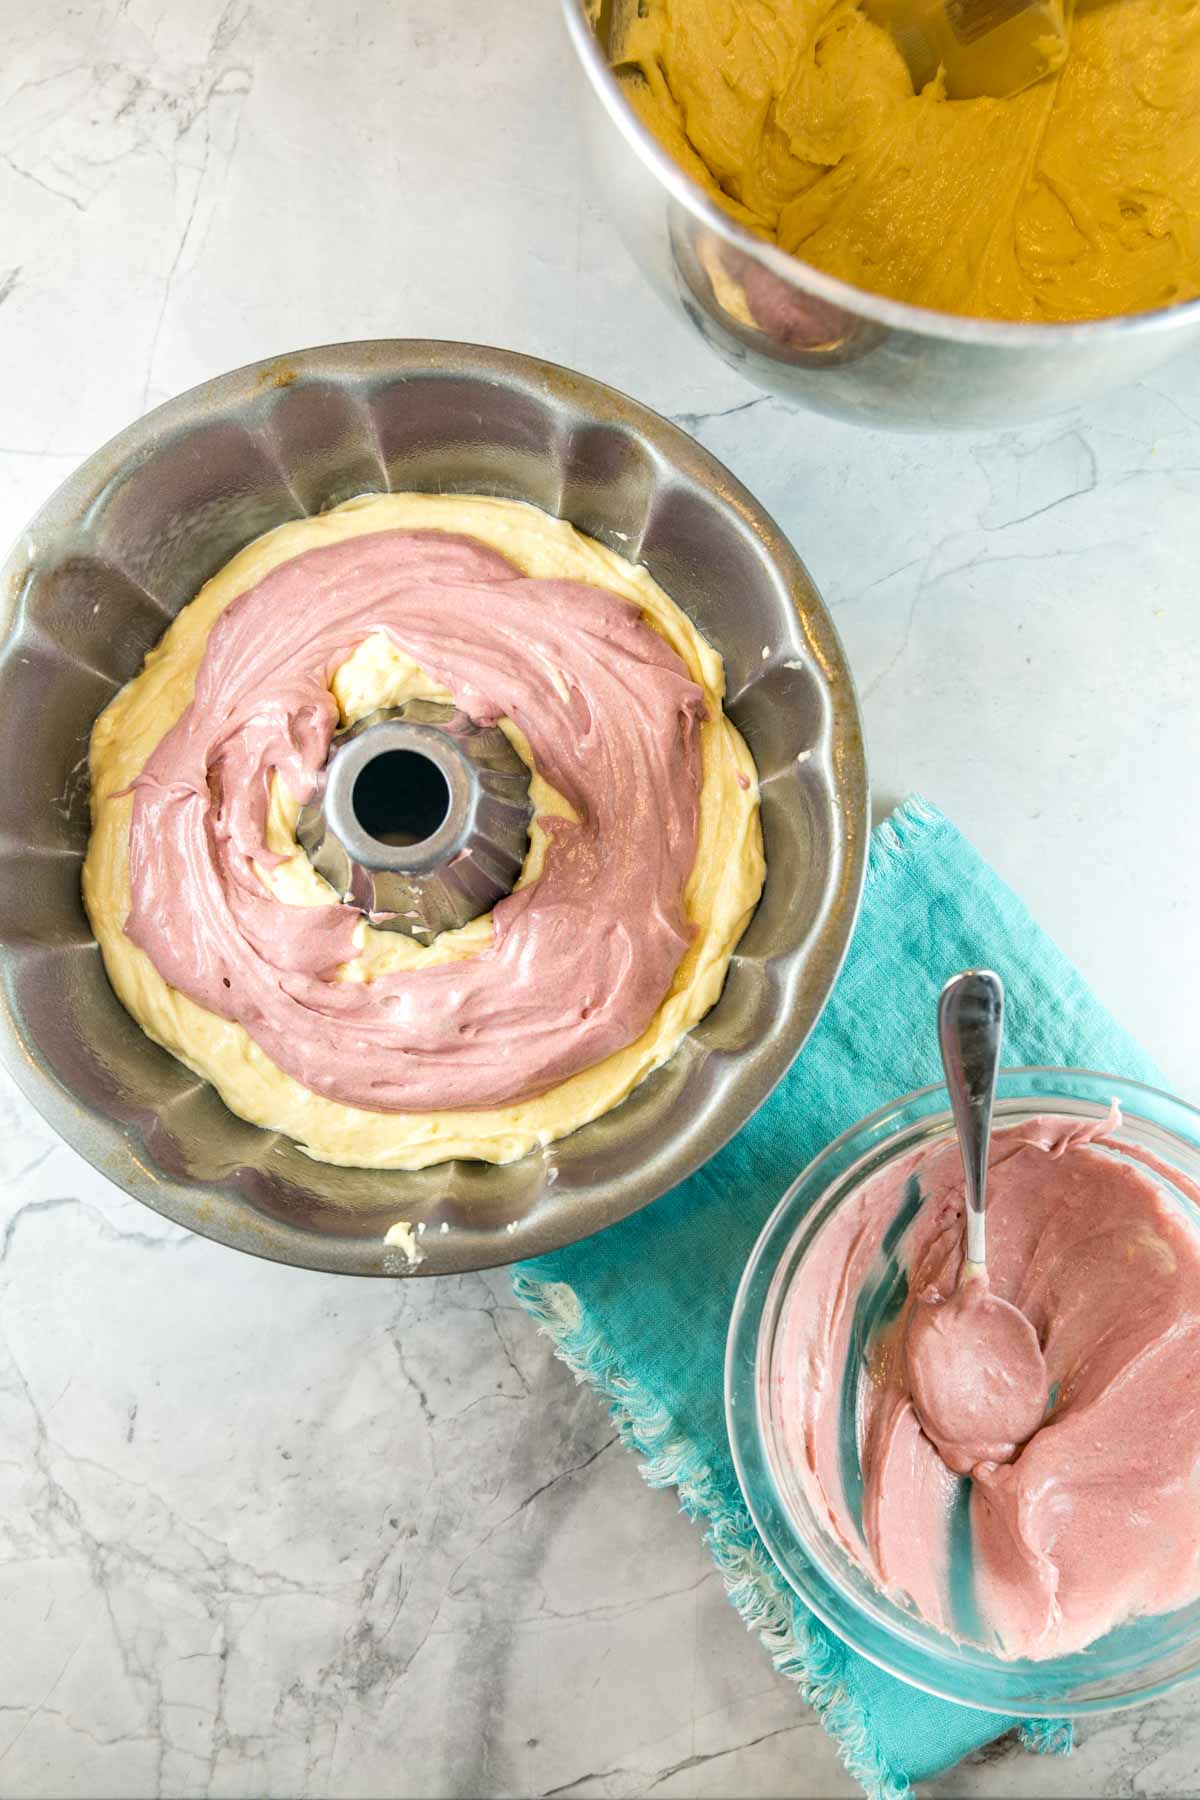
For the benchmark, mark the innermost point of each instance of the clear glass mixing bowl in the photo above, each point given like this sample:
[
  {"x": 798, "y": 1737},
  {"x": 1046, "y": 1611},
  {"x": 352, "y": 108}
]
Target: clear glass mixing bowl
[{"x": 1134, "y": 1662}]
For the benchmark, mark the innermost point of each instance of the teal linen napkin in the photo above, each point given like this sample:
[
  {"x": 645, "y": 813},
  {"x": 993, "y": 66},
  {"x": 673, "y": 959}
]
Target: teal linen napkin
[{"x": 641, "y": 1311}]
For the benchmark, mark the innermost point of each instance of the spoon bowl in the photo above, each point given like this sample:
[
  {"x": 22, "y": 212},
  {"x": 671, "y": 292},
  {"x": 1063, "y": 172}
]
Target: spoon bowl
[{"x": 977, "y": 1375}]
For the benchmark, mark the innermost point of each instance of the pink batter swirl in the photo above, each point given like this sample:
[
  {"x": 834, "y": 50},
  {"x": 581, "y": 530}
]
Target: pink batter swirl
[{"x": 581, "y": 959}]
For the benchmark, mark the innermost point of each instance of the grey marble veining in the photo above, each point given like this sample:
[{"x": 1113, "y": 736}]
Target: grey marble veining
[{"x": 273, "y": 1534}]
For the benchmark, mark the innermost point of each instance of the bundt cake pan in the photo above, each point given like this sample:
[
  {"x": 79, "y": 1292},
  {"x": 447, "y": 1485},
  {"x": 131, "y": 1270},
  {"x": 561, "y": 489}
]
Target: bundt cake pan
[{"x": 129, "y": 539}]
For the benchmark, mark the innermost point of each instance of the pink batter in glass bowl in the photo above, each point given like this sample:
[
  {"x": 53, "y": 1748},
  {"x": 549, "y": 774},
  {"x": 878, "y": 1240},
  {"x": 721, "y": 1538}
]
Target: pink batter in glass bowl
[{"x": 812, "y": 1529}]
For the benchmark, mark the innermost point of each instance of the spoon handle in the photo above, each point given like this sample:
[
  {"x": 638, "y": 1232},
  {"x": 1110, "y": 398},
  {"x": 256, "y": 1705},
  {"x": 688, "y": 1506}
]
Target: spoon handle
[{"x": 970, "y": 1028}]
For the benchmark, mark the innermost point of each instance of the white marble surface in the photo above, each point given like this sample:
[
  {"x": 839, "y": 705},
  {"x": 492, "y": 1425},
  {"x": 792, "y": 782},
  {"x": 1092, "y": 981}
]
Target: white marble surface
[{"x": 268, "y": 1533}]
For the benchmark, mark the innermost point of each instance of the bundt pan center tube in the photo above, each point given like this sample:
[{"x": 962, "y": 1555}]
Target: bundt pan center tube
[
  {"x": 131, "y": 538},
  {"x": 421, "y": 820}
]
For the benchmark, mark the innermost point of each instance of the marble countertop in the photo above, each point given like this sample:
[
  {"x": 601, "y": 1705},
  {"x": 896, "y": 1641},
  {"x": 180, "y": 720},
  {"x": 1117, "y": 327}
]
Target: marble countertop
[{"x": 268, "y": 1533}]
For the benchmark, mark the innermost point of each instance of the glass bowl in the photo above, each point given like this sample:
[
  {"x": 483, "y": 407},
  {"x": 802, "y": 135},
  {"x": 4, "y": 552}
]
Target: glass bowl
[{"x": 1135, "y": 1661}]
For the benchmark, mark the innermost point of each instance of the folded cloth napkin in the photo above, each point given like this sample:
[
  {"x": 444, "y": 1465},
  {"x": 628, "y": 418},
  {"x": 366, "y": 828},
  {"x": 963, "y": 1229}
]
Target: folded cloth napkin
[{"x": 641, "y": 1311}]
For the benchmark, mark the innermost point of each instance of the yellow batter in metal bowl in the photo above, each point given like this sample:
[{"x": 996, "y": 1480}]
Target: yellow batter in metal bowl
[{"x": 1077, "y": 199}]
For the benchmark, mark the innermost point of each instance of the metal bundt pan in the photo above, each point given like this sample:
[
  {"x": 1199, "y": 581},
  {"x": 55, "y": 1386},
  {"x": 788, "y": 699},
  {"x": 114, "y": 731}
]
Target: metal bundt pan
[{"x": 129, "y": 539}]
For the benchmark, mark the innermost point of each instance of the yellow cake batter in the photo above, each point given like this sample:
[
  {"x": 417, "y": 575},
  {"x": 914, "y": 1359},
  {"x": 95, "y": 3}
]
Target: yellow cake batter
[
  {"x": 722, "y": 892},
  {"x": 1077, "y": 199}
]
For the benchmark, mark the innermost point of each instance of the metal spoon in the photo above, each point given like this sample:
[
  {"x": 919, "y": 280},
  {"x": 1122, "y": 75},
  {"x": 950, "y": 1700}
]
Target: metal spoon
[
  {"x": 975, "y": 1367},
  {"x": 970, "y": 1030}
]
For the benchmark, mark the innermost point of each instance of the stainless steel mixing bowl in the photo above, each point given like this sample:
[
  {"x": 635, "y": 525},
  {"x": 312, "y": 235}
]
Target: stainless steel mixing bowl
[
  {"x": 127, "y": 542},
  {"x": 807, "y": 337}
]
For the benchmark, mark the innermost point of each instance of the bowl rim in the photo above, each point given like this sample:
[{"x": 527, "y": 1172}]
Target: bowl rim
[
  {"x": 901, "y": 315},
  {"x": 742, "y": 1423},
  {"x": 113, "y": 1148}
]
